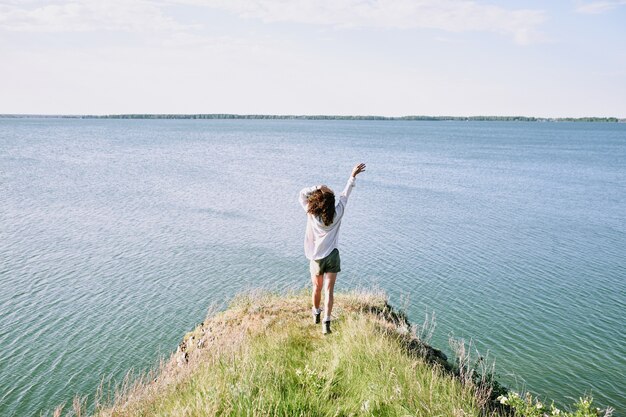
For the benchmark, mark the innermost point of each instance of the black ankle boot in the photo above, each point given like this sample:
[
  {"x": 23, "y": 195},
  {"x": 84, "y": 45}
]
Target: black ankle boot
[{"x": 326, "y": 327}]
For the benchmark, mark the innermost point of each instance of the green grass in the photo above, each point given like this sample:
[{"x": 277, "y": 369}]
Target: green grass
[{"x": 265, "y": 357}]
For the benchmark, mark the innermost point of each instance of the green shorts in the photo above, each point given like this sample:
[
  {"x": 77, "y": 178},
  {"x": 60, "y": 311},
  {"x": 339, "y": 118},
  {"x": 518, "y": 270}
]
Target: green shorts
[{"x": 331, "y": 263}]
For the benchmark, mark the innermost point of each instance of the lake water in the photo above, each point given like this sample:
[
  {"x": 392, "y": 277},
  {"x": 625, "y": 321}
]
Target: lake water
[{"x": 117, "y": 235}]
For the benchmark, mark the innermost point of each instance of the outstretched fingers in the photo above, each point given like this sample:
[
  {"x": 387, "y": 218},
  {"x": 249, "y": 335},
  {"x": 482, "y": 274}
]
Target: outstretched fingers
[{"x": 358, "y": 169}]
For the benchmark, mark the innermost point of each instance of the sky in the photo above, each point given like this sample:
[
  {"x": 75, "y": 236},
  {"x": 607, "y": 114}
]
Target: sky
[{"x": 562, "y": 58}]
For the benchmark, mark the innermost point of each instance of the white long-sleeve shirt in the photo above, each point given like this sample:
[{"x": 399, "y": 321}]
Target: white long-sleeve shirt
[{"x": 319, "y": 239}]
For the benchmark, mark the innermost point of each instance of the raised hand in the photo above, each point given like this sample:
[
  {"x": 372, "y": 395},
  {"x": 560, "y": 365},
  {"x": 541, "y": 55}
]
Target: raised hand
[{"x": 358, "y": 169}]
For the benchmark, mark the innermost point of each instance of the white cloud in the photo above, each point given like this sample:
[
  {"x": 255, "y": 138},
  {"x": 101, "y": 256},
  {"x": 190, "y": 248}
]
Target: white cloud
[
  {"x": 248, "y": 46},
  {"x": 83, "y": 16},
  {"x": 447, "y": 15},
  {"x": 595, "y": 7},
  {"x": 151, "y": 15}
]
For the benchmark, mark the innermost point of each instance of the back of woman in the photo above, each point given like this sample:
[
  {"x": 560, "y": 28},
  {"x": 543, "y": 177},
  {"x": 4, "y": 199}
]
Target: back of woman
[{"x": 321, "y": 240}]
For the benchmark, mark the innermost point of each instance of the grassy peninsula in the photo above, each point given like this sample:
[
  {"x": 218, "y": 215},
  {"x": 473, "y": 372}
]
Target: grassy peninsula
[{"x": 263, "y": 356}]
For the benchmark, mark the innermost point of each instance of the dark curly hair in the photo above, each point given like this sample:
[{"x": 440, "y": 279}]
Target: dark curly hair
[{"x": 322, "y": 204}]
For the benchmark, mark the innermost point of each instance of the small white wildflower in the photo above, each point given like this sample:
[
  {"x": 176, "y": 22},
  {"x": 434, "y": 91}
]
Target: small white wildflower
[
  {"x": 365, "y": 406},
  {"x": 539, "y": 405}
]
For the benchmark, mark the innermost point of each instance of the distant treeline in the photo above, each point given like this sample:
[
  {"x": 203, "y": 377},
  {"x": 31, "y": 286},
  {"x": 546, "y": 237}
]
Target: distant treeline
[{"x": 324, "y": 117}]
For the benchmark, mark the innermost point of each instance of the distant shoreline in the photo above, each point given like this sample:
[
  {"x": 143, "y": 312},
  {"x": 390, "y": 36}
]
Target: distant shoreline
[{"x": 226, "y": 116}]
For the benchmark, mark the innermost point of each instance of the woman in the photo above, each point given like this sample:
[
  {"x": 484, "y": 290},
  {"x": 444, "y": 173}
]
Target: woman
[{"x": 321, "y": 238}]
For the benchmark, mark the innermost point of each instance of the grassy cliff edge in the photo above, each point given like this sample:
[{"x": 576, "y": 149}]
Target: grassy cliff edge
[{"x": 263, "y": 356}]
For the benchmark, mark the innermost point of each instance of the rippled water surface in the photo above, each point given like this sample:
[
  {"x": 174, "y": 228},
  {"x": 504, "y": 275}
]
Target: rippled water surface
[{"x": 117, "y": 235}]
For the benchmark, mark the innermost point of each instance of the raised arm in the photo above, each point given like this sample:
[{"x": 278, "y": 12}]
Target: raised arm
[
  {"x": 343, "y": 198},
  {"x": 304, "y": 195}
]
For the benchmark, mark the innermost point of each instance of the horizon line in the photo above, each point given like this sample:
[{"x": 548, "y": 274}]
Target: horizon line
[{"x": 310, "y": 117}]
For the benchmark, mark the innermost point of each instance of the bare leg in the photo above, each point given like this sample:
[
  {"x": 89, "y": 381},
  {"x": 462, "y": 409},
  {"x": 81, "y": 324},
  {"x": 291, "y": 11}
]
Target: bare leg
[
  {"x": 329, "y": 290},
  {"x": 316, "y": 297}
]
